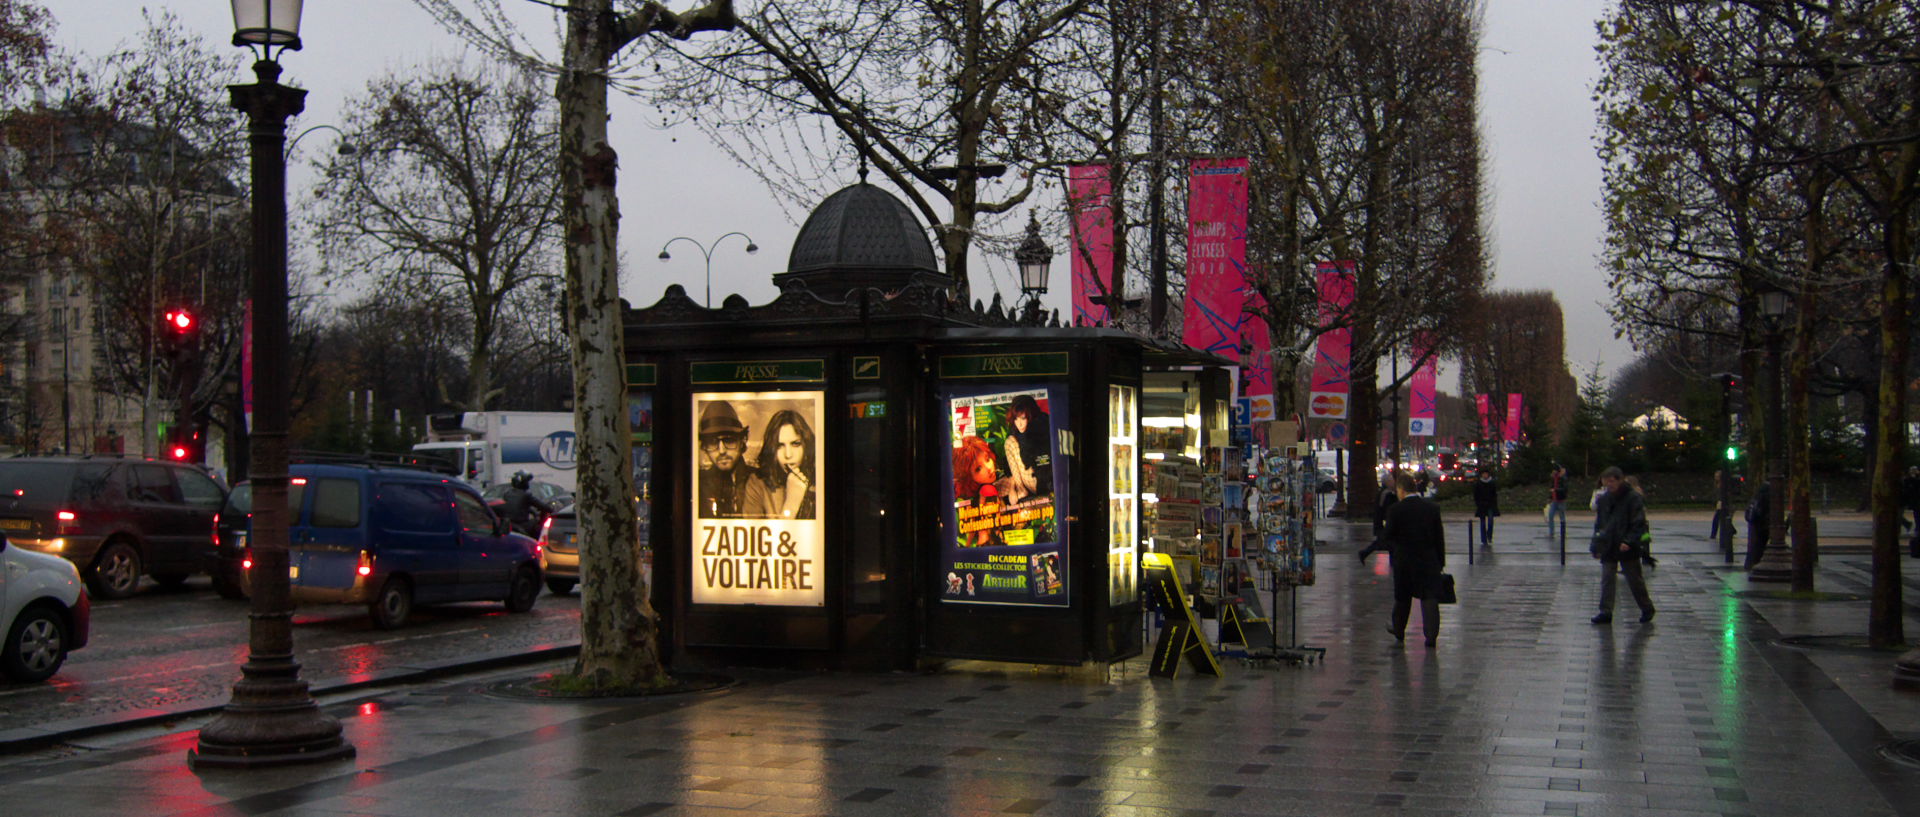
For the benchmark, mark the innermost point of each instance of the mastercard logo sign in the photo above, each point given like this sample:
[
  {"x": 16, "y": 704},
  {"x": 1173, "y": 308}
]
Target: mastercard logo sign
[{"x": 1327, "y": 405}]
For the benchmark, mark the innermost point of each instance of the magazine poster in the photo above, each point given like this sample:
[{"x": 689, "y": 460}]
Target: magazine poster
[
  {"x": 758, "y": 537},
  {"x": 1003, "y": 533}
]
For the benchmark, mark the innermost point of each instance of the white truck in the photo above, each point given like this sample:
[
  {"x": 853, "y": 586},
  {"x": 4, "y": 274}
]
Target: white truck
[{"x": 487, "y": 447}]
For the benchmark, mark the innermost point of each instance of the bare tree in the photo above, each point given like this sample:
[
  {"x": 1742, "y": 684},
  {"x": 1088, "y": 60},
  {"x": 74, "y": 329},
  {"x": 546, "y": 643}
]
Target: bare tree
[
  {"x": 1769, "y": 141},
  {"x": 450, "y": 187},
  {"x": 937, "y": 95},
  {"x": 134, "y": 173},
  {"x": 1360, "y": 118},
  {"x": 620, "y": 639}
]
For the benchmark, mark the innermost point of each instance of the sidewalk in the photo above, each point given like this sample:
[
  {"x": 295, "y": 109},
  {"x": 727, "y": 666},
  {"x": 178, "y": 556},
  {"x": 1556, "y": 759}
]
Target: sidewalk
[{"x": 1523, "y": 709}]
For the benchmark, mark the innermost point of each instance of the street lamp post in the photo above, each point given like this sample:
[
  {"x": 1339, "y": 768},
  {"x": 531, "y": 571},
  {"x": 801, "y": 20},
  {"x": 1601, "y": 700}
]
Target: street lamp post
[
  {"x": 706, "y": 251},
  {"x": 1035, "y": 259},
  {"x": 1776, "y": 565},
  {"x": 272, "y": 719}
]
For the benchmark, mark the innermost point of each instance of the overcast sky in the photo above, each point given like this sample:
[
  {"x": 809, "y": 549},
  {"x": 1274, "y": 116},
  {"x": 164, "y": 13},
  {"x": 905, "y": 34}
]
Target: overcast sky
[{"x": 1536, "y": 72}]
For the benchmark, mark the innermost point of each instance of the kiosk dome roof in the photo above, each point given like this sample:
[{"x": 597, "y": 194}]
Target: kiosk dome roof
[{"x": 864, "y": 229}]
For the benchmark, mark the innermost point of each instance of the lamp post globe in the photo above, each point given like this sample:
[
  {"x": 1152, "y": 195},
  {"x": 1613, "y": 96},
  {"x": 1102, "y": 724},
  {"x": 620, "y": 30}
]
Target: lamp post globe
[
  {"x": 267, "y": 23},
  {"x": 272, "y": 719},
  {"x": 1035, "y": 260}
]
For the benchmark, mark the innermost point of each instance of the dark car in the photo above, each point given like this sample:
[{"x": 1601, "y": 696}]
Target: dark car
[
  {"x": 391, "y": 538},
  {"x": 115, "y": 518},
  {"x": 560, "y": 548}
]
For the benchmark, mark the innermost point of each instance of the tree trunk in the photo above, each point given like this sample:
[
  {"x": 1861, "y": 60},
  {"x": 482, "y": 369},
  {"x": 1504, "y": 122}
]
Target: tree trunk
[
  {"x": 1363, "y": 424},
  {"x": 619, "y": 632},
  {"x": 1885, "y": 624},
  {"x": 1799, "y": 445}
]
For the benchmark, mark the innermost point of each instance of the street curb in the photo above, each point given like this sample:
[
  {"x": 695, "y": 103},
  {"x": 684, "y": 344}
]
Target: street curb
[{"x": 55, "y": 732}]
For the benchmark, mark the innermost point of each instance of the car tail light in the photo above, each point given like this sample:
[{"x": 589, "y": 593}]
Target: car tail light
[
  {"x": 366, "y": 564},
  {"x": 546, "y": 526},
  {"x": 246, "y": 558},
  {"x": 69, "y": 523},
  {"x": 216, "y": 530}
]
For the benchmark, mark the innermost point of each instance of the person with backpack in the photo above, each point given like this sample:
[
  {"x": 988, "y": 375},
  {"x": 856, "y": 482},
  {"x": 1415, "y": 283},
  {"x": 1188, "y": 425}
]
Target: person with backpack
[
  {"x": 1557, "y": 500},
  {"x": 1619, "y": 534}
]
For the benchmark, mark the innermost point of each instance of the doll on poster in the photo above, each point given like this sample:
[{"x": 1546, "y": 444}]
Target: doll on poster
[{"x": 975, "y": 472}]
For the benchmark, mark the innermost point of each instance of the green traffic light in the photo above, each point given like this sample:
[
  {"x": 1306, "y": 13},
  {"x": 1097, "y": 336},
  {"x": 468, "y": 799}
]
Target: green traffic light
[{"x": 1733, "y": 452}]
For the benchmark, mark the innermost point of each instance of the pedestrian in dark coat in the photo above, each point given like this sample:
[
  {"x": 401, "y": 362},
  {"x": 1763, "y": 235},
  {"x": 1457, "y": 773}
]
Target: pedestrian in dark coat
[
  {"x": 1486, "y": 504},
  {"x": 1417, "y": 545},
  {"x": 1910, "y": 499},
  {"x": 1619, "y": 529},
  {"x": 1759, "y": 525},
  {"x": 1380, "y": 508}
]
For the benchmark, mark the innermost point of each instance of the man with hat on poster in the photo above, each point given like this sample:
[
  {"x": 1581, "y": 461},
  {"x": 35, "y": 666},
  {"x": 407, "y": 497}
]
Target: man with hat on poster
[{"x": 723, "y": 446}]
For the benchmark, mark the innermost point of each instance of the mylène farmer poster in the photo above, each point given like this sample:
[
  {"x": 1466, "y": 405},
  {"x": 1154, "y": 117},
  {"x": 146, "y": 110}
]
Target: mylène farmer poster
[{"x": 1006, "y": 538}]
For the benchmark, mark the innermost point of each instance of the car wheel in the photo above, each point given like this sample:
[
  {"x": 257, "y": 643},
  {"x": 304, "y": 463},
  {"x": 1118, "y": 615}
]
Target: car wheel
[
  {"x": 390, "y": 608},
  {"x": 560, "y": 587},
  {"x": 524, "y": 589},
  {"x": 229, "y": 587},
  {"x": 116, "y": 571},
  {"x": 36, "y": 646},
  {"x": 170, "y": 580}
]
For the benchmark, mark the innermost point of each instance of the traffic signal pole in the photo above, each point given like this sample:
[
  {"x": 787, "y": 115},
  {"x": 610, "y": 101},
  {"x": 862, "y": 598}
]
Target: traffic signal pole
[{"x": 1724, "y": 501}]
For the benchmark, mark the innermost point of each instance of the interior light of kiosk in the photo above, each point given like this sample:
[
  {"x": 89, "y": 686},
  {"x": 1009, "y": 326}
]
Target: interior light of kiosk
[
  {"x": 1163, "y": 422},
  {"x": 1155, "y": 455}
]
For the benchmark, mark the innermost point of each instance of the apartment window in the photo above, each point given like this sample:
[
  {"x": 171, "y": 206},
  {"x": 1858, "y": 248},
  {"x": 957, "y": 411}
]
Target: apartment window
[{"x": 57, "y": 320}]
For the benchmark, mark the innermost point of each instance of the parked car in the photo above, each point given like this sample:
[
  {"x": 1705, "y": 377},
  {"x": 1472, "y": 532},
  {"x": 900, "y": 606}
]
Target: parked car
[
  {"x": 560, "y": 548},
  {"x": 115, "y": 518},
  {"x": 391, "y": 538},
  {"x": 44, "y": 611}
]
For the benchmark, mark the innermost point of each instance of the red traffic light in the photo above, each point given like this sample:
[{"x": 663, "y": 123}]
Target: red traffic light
[
  {"x": 180, "y": 452},
  {"x": 180, "y": 320}
]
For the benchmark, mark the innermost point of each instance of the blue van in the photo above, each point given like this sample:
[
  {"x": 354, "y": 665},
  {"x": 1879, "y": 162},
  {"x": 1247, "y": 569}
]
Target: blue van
[{"x": 391, "y": 538}]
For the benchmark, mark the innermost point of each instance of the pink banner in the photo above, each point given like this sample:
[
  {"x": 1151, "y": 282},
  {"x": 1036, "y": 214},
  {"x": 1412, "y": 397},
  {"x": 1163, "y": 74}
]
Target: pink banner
[
  {"x": 1486, "y": 423},
  {"x": 1423, "y": 396},
  {"x": 1224, "y": 306},
  {"x": 1216, "y": 315},
  {"x": 1512, "y": 430},
  {"x": 1332, "y": 357},
  {"x": 1089, "y": 202}
]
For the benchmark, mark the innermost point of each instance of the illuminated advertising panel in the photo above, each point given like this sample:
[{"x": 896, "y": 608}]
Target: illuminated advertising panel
[
  {"x": 758, "y": 537},
  {"x": 1006, "y": 506}
]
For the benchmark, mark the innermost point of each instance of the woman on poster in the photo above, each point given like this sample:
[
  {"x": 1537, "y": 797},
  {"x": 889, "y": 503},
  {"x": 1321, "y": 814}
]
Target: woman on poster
[
  {"x": 782, "y": 484},
  {"x": 1029, "y": 456}
]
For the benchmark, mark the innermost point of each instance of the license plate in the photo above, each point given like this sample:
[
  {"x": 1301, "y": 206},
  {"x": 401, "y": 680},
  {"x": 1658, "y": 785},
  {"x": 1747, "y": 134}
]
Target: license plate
[{"x": 16, "y": 524}]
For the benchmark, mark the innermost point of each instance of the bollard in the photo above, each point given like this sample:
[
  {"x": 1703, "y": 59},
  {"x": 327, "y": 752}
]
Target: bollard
[
  {"x": 1563, "y": 539},
  {"x": 1470, "y": 547}
]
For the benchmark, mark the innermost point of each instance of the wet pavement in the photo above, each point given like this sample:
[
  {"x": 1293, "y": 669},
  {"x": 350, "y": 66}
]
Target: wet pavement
[
  {"x": 178, "y": 650},
  {"x": 1523, "y": 708}
]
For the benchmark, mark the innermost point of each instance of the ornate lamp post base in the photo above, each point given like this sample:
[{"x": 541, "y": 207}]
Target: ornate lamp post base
[
  {"x": 269, "y": 722},
  {"x": 1906, "y": 670},
  {"x": 1775, "y": 566}
]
